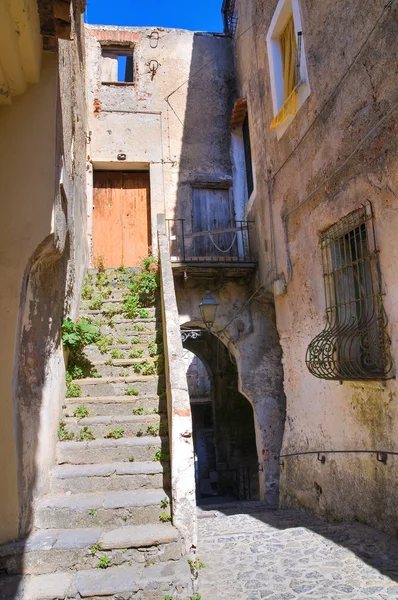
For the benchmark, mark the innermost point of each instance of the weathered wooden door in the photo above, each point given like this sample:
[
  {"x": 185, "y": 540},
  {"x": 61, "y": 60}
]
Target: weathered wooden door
[
  {"x": 121, "y": 221},
  {"x": 212, "y": 211}
]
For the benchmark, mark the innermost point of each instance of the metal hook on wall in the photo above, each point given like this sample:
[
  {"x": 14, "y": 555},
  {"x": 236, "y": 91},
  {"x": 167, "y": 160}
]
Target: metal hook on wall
[
  {"x": 154, "y": 39},
  {"x": 153, "y": 67}
]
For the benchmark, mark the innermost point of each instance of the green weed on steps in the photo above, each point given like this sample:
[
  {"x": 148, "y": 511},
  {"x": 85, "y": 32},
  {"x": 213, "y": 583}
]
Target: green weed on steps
[{"x": 115, "y": 434}]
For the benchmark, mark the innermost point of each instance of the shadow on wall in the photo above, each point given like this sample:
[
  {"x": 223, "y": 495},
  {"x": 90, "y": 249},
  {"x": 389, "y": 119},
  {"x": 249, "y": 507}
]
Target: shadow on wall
[{"x": 205, "y": 152}]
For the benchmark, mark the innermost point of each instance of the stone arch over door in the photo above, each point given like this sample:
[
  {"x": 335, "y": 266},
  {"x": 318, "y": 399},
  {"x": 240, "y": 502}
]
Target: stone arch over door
[
  {"x": 253, "y": 341},
  {"x": 233, "y": 420}
]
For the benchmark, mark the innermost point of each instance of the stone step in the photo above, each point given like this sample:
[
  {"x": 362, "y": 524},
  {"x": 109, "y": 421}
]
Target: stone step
[
  {"x": 147, "y": 385},
  {"x": 142, "y": 449},
  {"x": 131, "y": 424},
  {"x": 110, "y": 477},
  {"x": 115, "y": 405},
  {"x": 109, "y": 305},
  {"x": 123, "y": 367},
  {"x": 132, "y": 582},
  {"x": 51, "y": 550},
  {"x": 123, "y": 327},
  {"x": 93, "y": 353},
  {"x": 99, "y": 509}
]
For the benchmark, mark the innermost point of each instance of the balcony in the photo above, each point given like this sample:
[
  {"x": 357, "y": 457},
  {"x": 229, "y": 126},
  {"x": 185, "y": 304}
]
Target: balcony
[{"x": 228, "y": 248}]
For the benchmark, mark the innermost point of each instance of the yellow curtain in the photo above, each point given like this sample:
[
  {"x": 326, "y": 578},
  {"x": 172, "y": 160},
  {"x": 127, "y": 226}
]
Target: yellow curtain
[{"x": 288, "y": 48}]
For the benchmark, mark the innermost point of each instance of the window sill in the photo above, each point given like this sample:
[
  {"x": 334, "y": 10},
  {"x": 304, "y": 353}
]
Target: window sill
[{"x": 119, "y": 83}]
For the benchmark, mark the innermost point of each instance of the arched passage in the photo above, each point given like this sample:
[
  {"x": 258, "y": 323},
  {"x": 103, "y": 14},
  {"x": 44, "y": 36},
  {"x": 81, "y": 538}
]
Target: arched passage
[{"x": 223, "y": 423}]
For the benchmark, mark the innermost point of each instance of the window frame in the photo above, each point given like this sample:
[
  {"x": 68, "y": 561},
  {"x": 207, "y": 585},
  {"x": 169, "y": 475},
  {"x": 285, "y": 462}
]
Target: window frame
[
  {"x": 284, "y": 10},
  {"x": 122, "y": 49}
]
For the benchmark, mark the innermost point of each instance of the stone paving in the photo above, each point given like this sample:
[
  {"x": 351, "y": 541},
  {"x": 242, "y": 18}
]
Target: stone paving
[{"x": 288, "y": 555}]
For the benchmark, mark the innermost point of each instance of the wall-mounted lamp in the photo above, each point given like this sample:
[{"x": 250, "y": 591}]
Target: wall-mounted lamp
[{"x": 208, "y": 309}]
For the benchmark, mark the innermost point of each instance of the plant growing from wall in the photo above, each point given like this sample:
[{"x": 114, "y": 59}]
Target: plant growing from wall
[
  {"x": 195, "y": 565},
  {"x": 79, "y": 334},
  {"x": 161, "y": 456},
  {"x": 63, "y": 434},
  {"x": 152, "y": 430},
  {"x": 139, "y": 410},
  {"x": 73, "y": 390},
  {"x": 164, "y": 517}
]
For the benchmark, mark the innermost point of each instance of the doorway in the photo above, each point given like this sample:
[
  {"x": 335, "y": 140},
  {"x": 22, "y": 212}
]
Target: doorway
[
  {"x": 226, "y": 462},
  {"x": 121, "y": 221}
]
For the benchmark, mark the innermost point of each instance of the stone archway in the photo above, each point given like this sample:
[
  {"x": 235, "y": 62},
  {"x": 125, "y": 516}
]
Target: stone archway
[
  {"x": 252, "y": 339},
  {"x": 233, "y": 470}
]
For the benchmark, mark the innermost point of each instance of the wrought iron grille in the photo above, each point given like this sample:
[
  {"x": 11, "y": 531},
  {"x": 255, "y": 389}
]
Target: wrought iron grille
[
  {"x": 229, "y": 16},
  {"x": 354, "y": 344}
]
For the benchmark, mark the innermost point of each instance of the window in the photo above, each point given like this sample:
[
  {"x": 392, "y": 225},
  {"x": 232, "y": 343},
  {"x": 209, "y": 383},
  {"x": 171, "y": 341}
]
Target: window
[
  {"x": 117, "y": 64},
  {"x": 288, "y": 69},
  {"x": 248, "y": 156},
  {"x": 354, "y": 344}
]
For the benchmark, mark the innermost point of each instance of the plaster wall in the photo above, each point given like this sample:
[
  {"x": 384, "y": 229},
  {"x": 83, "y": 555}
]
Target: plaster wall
[
  {"x": 43, "y": 257},
  {"x": 26, "y": 220},
  {"x": 180, "y": 138},
  {"x": 339, "y": 151}
]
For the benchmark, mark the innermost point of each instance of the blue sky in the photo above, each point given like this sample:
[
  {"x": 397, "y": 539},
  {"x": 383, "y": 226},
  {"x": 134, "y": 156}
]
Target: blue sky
[{"x": 204, "y": 15}]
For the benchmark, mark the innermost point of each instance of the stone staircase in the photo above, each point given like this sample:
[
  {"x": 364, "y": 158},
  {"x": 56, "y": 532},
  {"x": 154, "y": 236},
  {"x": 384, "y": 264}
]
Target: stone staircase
[{"x": 104, "y": 528}]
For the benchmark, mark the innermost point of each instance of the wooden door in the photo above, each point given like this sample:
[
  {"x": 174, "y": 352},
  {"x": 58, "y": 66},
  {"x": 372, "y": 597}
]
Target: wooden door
[
  {"x": 212, "y": 211},
  {"x": 121, "y": 222}
]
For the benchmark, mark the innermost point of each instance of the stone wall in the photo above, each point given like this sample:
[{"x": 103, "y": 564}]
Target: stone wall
[
  {"x": 42, "y": 149},
  {"x": 339, "y": 151}
]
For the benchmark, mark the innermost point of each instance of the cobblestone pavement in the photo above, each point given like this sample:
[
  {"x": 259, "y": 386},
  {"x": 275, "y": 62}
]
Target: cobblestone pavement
[{"x": 288, "y": 555}]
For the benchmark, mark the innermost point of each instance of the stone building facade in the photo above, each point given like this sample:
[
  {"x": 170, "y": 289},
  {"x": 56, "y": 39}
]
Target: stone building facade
[{"x": 324, "y": 202}]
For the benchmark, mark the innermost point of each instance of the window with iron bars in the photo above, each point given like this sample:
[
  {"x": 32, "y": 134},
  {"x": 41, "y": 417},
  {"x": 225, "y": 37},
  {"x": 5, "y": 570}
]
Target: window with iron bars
[{"x": 354, "y": 344}]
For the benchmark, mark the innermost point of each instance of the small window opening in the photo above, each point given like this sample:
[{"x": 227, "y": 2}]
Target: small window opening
[
  {"x": 117, "y": 65},
  {"x": 354, "y": 344},
  {"x": 248, "y": 156}
]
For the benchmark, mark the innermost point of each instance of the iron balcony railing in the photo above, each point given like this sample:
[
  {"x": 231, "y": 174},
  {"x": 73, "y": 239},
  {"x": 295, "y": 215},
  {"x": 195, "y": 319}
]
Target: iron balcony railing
[{"x": 228, "y": 245}]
